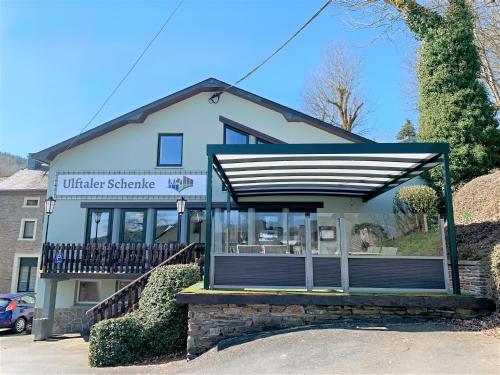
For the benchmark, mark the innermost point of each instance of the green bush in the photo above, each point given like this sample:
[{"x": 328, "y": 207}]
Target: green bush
[
  {"x": 416, "y": 199},
  {"x": 158, "y": 327},
  {"x": 115, "y": 341}
]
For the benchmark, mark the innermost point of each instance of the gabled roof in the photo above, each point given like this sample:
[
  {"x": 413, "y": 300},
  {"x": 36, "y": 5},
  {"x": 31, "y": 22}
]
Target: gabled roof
[
  {"x": 209, "y": 85},
  {"x": 25, "y": 180}
]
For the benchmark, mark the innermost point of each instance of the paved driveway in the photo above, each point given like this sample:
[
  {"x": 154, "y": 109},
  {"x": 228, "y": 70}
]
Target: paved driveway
[{"x": 392, "y": 349}]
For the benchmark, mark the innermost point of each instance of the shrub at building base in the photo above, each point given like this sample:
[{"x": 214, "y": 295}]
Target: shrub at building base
[{"x": 158, "y": 327}]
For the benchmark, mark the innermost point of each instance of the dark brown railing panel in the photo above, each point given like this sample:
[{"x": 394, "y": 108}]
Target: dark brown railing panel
[
  {"x": 127, "y": 298},
  {"x": 112, "y": 258}
]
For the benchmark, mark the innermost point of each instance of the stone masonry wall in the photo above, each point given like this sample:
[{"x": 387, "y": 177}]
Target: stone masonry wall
[
  {"x": 210, "y": 324},
  {"x": 11, "y": 213},
  {"x": 68, "y": 320},
  {"x": 473, "y": 278}
]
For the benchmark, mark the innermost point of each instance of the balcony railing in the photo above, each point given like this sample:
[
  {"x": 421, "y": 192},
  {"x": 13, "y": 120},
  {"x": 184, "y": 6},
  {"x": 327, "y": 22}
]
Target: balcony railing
[{"x": 124, "y": 260}]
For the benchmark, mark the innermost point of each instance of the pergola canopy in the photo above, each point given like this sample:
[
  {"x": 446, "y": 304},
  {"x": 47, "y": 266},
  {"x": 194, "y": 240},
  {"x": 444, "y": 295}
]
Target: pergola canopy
[{"x": 357, "y": 170}]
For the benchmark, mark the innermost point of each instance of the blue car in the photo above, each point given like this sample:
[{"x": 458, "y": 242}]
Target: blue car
[{"x": 16, "y": 310}]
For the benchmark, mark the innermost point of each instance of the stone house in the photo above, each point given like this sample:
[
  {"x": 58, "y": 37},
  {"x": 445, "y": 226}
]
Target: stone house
[{"x": 22, "y": 198}]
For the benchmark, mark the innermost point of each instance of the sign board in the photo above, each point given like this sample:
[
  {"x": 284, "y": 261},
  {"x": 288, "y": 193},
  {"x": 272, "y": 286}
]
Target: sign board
[
  {"x": 58, "y": 259},
  {"x": 130, "y": 185}
]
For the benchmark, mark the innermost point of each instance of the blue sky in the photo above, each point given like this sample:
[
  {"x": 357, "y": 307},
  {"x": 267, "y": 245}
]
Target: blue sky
[{"x": 60, "y": 60}]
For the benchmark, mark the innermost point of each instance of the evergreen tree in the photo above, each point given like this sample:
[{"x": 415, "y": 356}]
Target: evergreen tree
[
  {"x": 454, "y": 106},
  {"x": 407, "y": 133}
]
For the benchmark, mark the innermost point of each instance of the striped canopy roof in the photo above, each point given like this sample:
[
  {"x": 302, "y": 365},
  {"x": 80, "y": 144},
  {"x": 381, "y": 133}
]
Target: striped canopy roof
[{"x": 358, "y": 170}]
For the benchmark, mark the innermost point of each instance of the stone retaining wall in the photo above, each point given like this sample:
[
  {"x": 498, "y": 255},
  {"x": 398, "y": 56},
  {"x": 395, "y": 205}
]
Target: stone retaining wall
[
  {"x": 473, "y": 278},
  {"x": 211, "y": 323},
  {"x": 68, "y": 320}
]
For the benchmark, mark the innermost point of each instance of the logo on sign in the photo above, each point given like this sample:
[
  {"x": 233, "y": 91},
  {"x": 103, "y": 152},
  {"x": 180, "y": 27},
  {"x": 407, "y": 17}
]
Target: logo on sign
[
  {"x": 179, "y": 184},
  {"x": 58, "y": 258}
]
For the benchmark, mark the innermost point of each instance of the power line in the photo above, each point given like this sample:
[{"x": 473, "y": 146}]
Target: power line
[
  {"x": 215, "y": 97},
  {"x": 127, "y": 74}
]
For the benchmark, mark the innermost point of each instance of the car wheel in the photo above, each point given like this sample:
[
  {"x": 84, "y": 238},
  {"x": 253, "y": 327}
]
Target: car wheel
[{"x": 19, "y": 325}]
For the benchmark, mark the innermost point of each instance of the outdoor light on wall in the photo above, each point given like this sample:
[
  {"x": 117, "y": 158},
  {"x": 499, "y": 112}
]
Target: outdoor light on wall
[
  {"x": 49, "y": 208},
  {"x": 181, "y": 207},
  {"x": 49, "y": 205},
  {"x": 97, "y": 221}
]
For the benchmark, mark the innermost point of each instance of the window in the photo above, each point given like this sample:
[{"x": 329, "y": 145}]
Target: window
[
  {"x": 197, "y": 226},
  {"x": 269, "y": 228},
  {"x": 133, "y": 226},
  {"x": 120, "y": 284},
  {"x": 87, "y": 292},
  {"x": 169, "y": 150},
  {"x": 234, "y": 137},
  {"x": 259, "y": 141},
  {"x": 99, "y": 224},
  {"x": 166, "y": 227},
  {"x": 31, "y": 202},
  {"x": 27, "y": 274},
  {"x": 28, "y": 229}
]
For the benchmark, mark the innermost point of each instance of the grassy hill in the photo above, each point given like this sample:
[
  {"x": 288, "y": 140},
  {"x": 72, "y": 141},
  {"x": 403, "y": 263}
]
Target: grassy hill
[{"x": 9, "y": 164}]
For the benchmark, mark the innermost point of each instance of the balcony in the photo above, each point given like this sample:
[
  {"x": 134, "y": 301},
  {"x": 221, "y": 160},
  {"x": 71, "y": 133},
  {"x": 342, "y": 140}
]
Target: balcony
[{"x": 124, "y": 261}]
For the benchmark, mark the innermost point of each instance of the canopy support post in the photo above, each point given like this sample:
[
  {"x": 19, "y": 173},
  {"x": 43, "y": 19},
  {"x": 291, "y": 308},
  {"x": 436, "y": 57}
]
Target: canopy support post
[
  {"x": 208, "y": 224},
  {"x": 452, "y": 238}
]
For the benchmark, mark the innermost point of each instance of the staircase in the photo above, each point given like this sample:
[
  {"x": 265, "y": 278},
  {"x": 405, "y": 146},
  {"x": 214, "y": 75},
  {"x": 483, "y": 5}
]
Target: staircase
[{"x": 127, "y": 298}]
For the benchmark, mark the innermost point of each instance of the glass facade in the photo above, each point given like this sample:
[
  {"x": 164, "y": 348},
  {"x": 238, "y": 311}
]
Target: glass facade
[{"x": 279, "y": 231}]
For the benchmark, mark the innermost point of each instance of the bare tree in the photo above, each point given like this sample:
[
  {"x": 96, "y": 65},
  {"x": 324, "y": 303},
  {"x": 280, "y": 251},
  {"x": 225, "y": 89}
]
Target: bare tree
[{"x": 332, "y": 92}]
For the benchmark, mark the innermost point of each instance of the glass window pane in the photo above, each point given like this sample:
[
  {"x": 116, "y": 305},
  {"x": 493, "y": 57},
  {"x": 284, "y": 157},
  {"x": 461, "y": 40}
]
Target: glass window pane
[
  {"x": 31, "y": 283},
  {"x": 261, "y": 142},
  {"x": 197, "y": 226},
  {"x": 297, "y": 232},
  {"x": 23, "y": 281},
  {"x": 88, "y": 291},
  {"x": 29, "y": 229},
  {"x": 133, "y": 226},
  {"x": 99, "y": 232},
  {"x": 170, "y": 152},
  {"x": 32, "y": 202},
  {"x": 166, "y": 226},
  {"x": 233, "y": 137},
  {"x": 269, "y": 232}
]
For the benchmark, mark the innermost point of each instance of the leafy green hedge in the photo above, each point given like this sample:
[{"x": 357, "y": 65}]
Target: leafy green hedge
[
  {"x": 416, "y": 199},
  {"x": 157, "y": 327}
]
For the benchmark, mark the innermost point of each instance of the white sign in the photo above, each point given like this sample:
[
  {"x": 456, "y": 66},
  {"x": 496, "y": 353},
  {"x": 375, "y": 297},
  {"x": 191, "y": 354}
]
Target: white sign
[{"x": 130, "y": 184}]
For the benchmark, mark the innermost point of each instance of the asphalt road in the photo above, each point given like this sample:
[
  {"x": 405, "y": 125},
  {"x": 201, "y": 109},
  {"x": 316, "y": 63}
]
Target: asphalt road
[{"x": 392, "y": 349}]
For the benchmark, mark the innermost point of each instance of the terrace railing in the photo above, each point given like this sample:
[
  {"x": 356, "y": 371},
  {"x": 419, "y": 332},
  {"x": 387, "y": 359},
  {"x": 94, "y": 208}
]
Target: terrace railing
[
  {"x": 127, "y": 298},
  {"x": 74, "y": 260}
]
